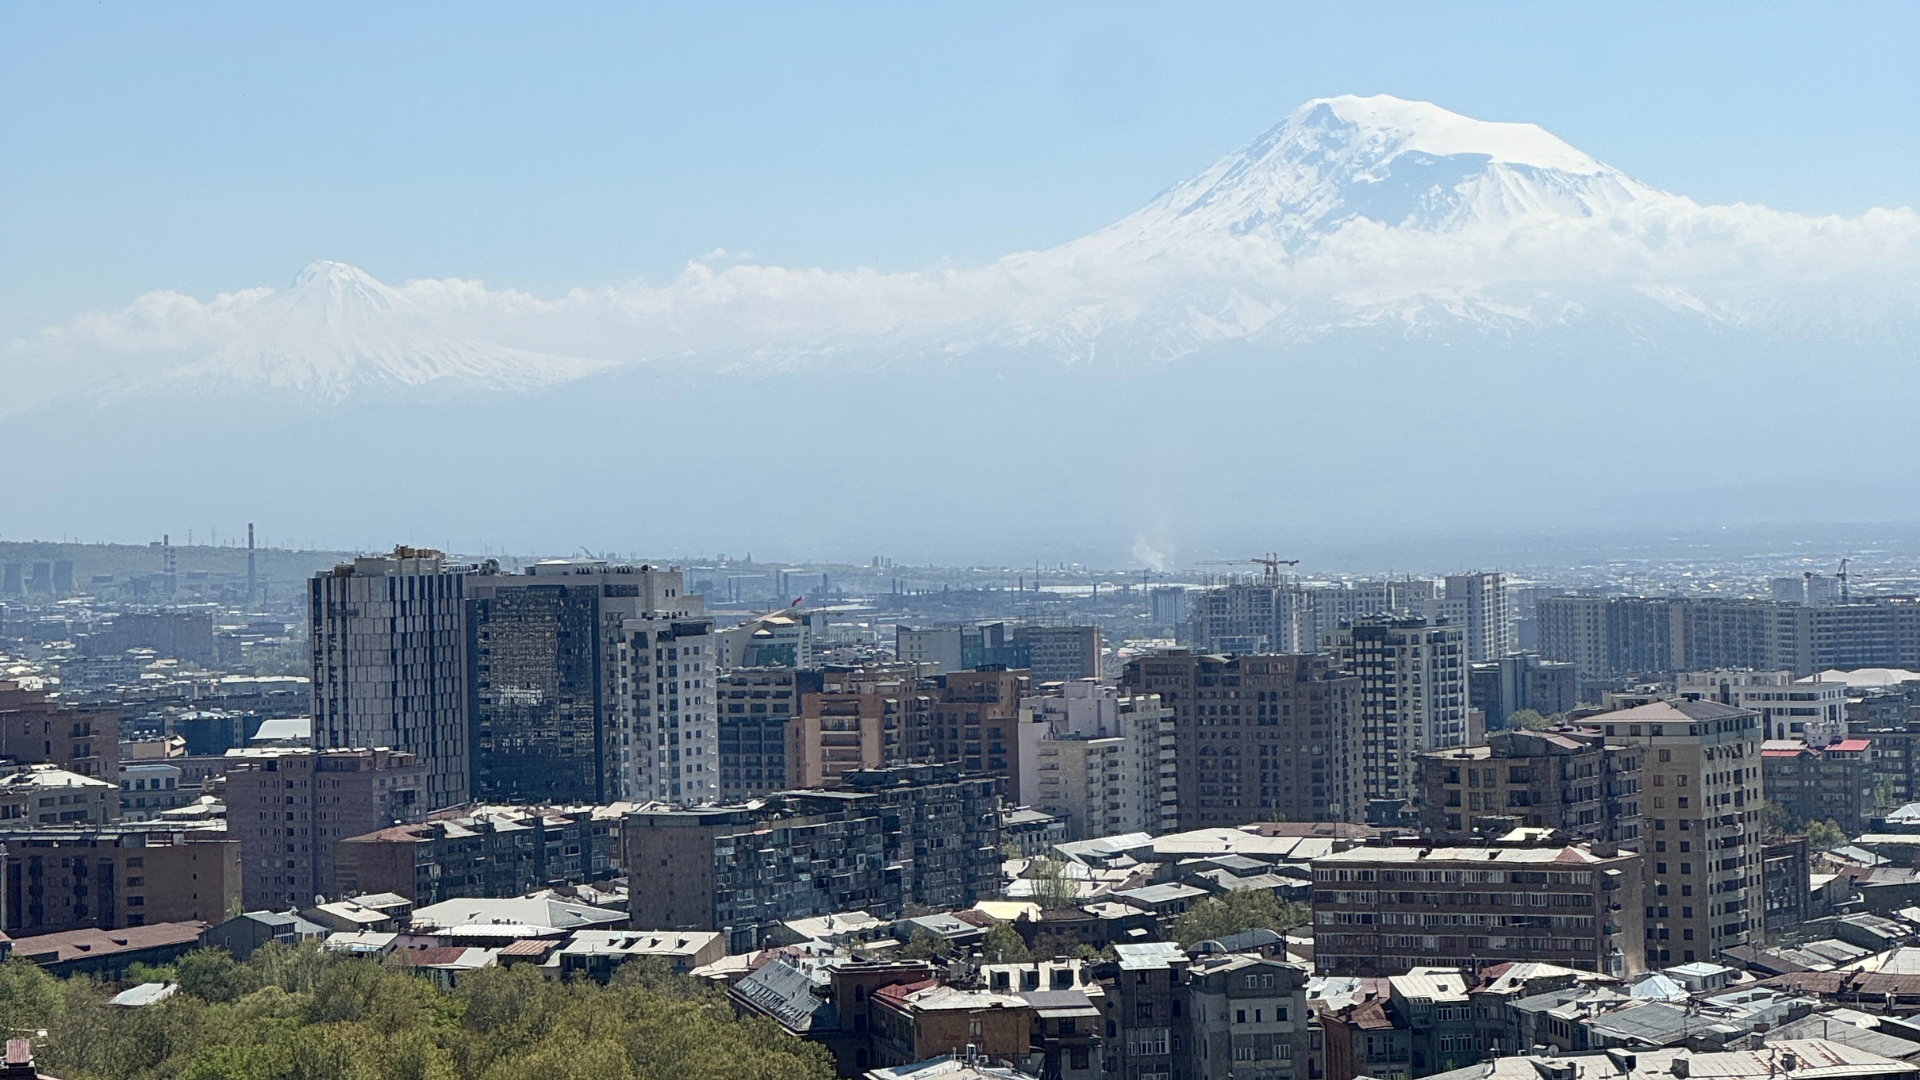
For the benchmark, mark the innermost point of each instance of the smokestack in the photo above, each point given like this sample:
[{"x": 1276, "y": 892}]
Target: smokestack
[{"x": 250, "y": 577}]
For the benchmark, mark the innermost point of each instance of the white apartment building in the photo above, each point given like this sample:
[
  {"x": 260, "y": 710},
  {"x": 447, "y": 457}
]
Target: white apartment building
[
  {"x": 1100, "y": 757},
  {"x": 780, "y": 639},
  {"x": 1808, "y": 709}
]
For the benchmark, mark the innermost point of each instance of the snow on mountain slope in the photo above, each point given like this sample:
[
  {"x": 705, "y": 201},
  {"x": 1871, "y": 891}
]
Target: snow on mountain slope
[{"x": 1353, "y": 214}]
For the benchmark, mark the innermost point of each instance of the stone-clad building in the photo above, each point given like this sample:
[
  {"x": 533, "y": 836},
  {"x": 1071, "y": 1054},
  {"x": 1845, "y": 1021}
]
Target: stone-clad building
[
  {"x": 1572, "y": 780},
  {"x": 1258, "y": 738},
  {"x": 1384, "y": 910}
]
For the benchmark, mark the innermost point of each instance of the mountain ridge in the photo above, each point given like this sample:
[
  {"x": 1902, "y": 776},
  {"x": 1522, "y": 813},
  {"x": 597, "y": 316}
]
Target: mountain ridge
[{"x": 1352, "y": 214}]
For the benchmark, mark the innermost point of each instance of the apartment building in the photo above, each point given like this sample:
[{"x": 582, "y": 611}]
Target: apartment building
[
  {"x": 1833, "y": 783},
  {"x": 290, "y": 810},
  {"x": 1499, "y": 688},
  {"x": 1412, "y": 697},
  {"x": 499, "y": 851},
  {"x": 1061, "y": 653},
  {"x": 972, "y": 720},
  {"x": 756, "y": 708},
  {"x": 38, "y": 795},
  {"x": 389, "y": 643},
  {"x": 1812, "y": 711},
  {"x": 1702, "y": 796},
  {"x": 1258, "y": 738},
  {"x": 37, "y": 727},
  {"x": 1387, "y": 910},
  {"x": 883, "y": 840},
  {"x": 1571, "y": 780},
  {"x": 568, "y": 704},
  {"x": 1102, "y": 759},
  {"x": 62, "y": 878},
  {"x": 1246, "y": 1018}
]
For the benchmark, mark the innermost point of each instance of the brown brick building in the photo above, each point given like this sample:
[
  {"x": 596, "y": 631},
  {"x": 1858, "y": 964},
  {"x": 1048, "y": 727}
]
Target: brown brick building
[
  {"x": 1572, "y": 779},
  {"x": 1258, "y": 738},
  {"x": 61, "y": 879},
  {"x": 291, "y": 810},
  {"x": 34, "y": 727}
]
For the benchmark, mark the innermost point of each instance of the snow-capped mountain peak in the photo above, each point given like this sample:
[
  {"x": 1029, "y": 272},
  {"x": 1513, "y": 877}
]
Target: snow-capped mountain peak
[{"x": 1398, "y": 163}]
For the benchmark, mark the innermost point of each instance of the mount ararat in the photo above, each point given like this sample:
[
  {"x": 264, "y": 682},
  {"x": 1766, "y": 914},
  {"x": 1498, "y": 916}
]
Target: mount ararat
[{"x": 1378, "y": 315}]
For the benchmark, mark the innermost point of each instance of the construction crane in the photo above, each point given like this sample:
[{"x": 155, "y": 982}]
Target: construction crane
[
  {"x": 1271, "y": 561},
  {"x": 1842, "y": 575}
]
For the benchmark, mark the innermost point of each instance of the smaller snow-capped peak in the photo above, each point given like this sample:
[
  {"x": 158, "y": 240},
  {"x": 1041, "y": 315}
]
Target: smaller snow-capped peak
[
  {"x": 1398, "y": 163},
  {"x": 335, "y": 330}
]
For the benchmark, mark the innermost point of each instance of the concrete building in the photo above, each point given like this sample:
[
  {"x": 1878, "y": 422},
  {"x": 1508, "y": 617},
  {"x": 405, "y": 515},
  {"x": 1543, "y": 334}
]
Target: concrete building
[
  {"x": 781, "y": 639},
  {"x": 34, "y": 796},
  {"x": 972, "y": 721},
  {"x": 938, "y": 646},
  {"x": 1242, "y": 619},
  {"x": 389, "y": 642},
  {"x": 1571, "y": 780},
  {"x": 149, "y": 787},
  {"x": 290, "y": 811},
  {"x": 36, "y": 727},
  {"x": 1830, "y": 783},
  {"x": 1477, "y": 604},
  {"x": 756, "y": 707},
  {"x": 1061, "y": 653},
  {"x": 1246, "y": 1019},
  {"x": 1102, "y": 759},
  {"x": 1573, "y": 629},
  {"x": 1386, "y": 910},
  {"x": 1258, "y": 738},
  {"x": 1814, "y": 712},
  {"x": 1499, "y": 688},
  {"x": 567, "y": 703},
  {"x": 501, "y": 851},
  {"x": 183, "y": 635},
  {"x": 884, "y": 840},
  {"x": 61, "y": 878},
  {"x": 1412, "y": 695},
  {"x": 1702, "y": 799}
]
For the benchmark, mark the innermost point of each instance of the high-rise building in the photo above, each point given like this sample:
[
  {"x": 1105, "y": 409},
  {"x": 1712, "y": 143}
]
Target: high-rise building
[
  {"x": 1099, "y": 757},
  {"x": 757, "y": 706},
  {"x": 973, "y": 719},
  {"x": 1412, "y": 693},
  {"x": 1574, "y": 629},
  {"x": 1702, "y": 797},
  {"x": 1258, "y": 738},
  {"x": 291, "y": 809},
  {"x": 563, "y": 707},
  {"x": 1570, "y": 780},
  {"x": 1061, "y": 653},
  {"x": 389, "y": 643},
  {"x": 1477, "y": 604}
]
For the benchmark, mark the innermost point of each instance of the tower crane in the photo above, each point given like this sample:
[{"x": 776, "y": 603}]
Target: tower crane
[{"x": 1271, "y": 561}]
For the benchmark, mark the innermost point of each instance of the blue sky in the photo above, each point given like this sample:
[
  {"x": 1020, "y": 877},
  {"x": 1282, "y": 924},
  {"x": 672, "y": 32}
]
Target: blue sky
[{"x": 204, "y": 147}]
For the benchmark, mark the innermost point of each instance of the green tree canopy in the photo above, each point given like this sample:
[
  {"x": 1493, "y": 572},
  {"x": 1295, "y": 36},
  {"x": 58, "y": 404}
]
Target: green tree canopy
[
  {"x": 1237, "y": 911},
  {"x": 300, "y": 1013}
]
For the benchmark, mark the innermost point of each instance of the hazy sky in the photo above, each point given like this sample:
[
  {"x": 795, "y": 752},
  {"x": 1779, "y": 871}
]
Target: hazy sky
[{"x": 204, "y": 148}]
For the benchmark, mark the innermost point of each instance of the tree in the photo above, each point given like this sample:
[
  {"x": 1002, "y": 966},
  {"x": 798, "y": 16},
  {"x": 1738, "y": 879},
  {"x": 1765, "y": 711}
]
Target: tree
[
  {"x": 1237, "y": 911},
  {"x": 1527, "y": 720},
  {"x": 1004, "y": 945},
  {"x": 1825, "y": 835},
  {"x": 29, "y": 998},
  {"x": 1052, "y": 888}
]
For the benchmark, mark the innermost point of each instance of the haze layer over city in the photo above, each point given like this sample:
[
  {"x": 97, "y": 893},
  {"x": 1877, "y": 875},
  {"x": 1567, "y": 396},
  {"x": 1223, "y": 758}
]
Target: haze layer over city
[{"x": 891, "y": 542}]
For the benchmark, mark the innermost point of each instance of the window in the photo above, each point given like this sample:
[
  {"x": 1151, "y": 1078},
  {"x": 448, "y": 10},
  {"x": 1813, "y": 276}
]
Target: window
[
  {"x": 1239, "y": 1016},
  {"x": 1077, "y": 1058}
]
